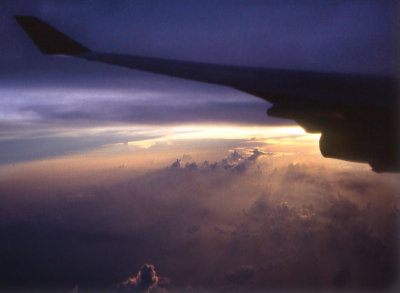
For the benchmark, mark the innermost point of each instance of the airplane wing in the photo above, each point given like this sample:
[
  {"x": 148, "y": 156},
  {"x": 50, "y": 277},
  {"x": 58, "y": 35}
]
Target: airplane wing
[{"x": 356, "y": 114}]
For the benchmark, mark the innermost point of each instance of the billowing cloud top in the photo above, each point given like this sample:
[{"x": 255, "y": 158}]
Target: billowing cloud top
[{"x": 145, "y": 280}]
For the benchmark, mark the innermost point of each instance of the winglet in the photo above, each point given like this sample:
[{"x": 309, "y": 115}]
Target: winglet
[{"x": 48, "y": 39}]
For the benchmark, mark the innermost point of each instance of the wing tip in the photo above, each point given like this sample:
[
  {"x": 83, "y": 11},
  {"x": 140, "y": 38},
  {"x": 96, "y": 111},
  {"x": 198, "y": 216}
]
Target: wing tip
[{"x": 49, "y": 40}]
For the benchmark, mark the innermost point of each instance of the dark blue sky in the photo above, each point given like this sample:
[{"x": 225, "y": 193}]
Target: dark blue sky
[{"x": 350, "y": 36}]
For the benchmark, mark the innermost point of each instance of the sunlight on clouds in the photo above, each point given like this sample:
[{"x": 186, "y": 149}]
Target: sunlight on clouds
[
  {"x": 127, "y": 150},
  {"x": 268, "y": 134}
]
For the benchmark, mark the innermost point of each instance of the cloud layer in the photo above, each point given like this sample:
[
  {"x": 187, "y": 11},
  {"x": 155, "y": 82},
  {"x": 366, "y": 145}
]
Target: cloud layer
[{"x": 237, "y": 224}]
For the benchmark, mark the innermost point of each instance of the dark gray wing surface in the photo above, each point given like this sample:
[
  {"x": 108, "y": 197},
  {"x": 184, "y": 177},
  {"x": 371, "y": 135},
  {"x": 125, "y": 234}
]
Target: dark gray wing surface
[
  {"x": 356, "y": 114},
  {"x": 48, "y": 39}
]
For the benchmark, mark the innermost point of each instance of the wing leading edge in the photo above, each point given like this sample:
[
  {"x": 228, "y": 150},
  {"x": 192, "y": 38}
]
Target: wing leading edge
[{"x": 356, "y": 114}]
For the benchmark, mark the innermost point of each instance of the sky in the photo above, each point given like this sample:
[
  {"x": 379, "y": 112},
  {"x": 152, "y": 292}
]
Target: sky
[{"x": 122, "y": 180}]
